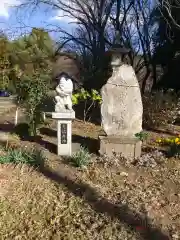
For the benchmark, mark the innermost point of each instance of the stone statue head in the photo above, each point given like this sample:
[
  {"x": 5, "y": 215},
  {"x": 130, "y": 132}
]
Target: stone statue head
[
  {"x": 67, "y": 64},
  {"x": 66, "y": 76}
]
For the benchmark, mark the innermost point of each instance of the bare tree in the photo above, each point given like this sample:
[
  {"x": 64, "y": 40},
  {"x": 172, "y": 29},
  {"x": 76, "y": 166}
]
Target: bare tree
[
  {"x": 168, "y": 9},
  {"x": 96, "y": 24},
  {"x": 93, "y": 18},
  {"x": 145, "y": 29}
]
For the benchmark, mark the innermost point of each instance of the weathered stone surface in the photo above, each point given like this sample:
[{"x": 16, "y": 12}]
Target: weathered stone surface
[
  {"x": 64, "y": 93},
  {"x": 67, "y": 114},
  {"x": 121, "y": 109},
  {"x": 127, "y": 147}
]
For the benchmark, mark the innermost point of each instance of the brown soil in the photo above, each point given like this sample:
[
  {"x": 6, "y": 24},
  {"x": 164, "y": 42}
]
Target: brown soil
[{"x": 107, "y": 200}]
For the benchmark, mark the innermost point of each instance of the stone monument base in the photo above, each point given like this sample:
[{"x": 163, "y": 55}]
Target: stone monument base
[
  {"x": 128, "y": 147},
  {"x": 64, "y": 131}
]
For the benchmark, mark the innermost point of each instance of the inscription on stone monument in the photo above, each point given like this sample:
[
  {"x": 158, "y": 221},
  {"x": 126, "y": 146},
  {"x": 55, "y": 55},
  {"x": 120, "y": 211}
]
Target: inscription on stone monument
[{"x": 63, "y": 133}]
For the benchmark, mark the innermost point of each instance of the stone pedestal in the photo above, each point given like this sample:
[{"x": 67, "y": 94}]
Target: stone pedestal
[
  {"x": 128, "y": 147},
  {"x": 64, "y": 131}
]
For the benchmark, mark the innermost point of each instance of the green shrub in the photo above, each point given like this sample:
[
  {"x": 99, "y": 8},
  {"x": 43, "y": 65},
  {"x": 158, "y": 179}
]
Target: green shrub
[
  {"x": 32, "y": 157},
  {"x": 89, "y": 100},
  {"x": 32, "y": 91},
  {"x": 81, "y": 158},
  {"x": 142, "y": 136}
]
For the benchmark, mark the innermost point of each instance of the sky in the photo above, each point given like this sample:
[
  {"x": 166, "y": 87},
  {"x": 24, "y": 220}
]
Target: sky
[{"x": 15, "y": 21}]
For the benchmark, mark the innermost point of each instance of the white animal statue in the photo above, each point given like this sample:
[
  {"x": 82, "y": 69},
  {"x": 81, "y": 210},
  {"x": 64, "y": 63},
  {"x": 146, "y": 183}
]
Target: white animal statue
[{"x": 64, "y": 91}]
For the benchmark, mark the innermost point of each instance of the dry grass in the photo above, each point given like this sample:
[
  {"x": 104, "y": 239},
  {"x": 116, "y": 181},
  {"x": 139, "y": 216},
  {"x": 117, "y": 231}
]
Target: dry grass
[
  {"x": 33, "y": 207},
  {"x": 108, "y": 200}
]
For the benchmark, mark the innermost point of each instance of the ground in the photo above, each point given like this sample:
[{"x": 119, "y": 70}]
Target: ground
[{"x": 106, "y": 200}]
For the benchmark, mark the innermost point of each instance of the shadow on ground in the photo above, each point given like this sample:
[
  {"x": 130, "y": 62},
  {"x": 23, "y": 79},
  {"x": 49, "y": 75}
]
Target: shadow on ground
[
  {"x": 163, "y": 131},
  {"x": 6, "y": 127},
  {"x": 51, "y": 147},
  {"x": 48, "y": 132},
  {"x": 90, "y": 143},
  {"x": 132, "y": 220},
  {"x": 22, "y": 130}
]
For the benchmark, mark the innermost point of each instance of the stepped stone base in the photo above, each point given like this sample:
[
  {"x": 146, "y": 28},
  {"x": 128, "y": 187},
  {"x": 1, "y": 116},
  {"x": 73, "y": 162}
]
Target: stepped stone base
[{"x": 128, "y": 147}]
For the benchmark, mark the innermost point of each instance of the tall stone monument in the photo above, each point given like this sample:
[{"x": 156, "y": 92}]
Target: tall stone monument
[
  {"x": 64, "y": 114},
  {"x": 121, "y": 109}
]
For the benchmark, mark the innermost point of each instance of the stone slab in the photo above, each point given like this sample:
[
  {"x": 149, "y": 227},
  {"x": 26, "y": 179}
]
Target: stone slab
[
  {"x": 121, "y": 108},
  {"x": 64, "y": 137},
  {"x": 128, "y": 147},
  {"x": 64, "y": 115}
]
